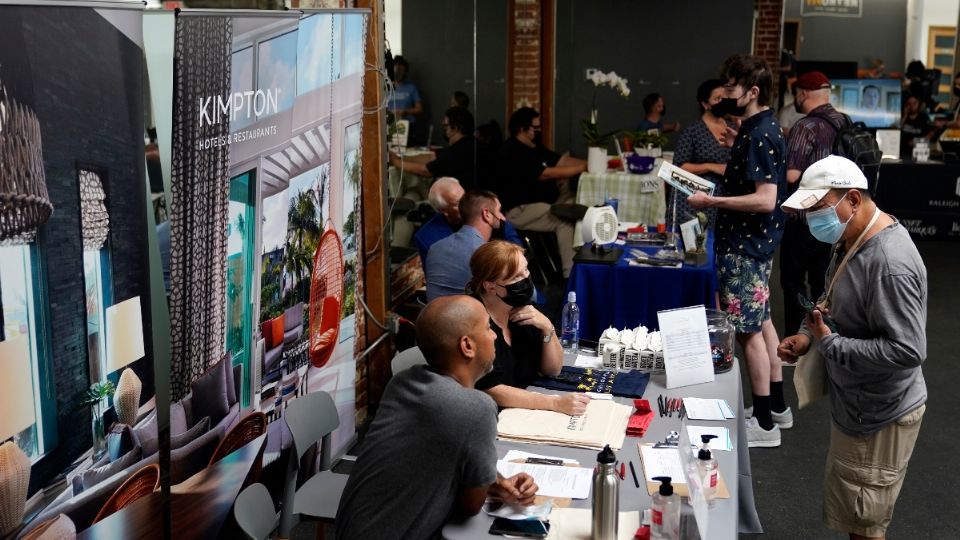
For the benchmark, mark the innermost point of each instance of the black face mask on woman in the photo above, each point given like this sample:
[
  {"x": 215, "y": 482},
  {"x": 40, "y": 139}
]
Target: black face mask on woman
[
  {"x": 728, "y": 106},
  {"x": 519, "y": 294}
]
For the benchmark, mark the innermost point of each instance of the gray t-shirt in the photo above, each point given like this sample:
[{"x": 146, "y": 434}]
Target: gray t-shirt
[
  {"x": 880, "y": 306},
  {"x": 431, "y": 439}
]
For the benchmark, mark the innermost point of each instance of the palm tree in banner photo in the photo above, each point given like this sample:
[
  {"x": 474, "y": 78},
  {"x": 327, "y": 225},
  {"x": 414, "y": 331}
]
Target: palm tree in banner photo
[{"x": 303, "y": 234}]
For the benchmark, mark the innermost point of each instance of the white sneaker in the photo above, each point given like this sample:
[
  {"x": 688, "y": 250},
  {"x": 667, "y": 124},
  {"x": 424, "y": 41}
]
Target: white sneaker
[
  {"x": 783, "y": 419},
  {"x": 757, "y": 437}
]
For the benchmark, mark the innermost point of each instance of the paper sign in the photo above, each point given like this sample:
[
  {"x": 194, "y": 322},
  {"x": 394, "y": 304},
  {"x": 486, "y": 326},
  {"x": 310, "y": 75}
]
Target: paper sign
[
  {"x": 694, "y": 484},
  {"x": 686, "y": 346},
  {"x": 889, "y": 142}
]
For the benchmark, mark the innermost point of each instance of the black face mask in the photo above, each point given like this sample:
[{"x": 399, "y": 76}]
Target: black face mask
[
  {"x": 538, "y": 138},
  {"x": 796, "y": 105},
  {"x": 956, "y": 91},
  {"x": 519, "y": 294},
  {"x": 728, "y": 106}
]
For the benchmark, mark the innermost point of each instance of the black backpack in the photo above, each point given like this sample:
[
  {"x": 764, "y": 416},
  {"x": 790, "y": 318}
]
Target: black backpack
[{"x": 856, "y": 143}]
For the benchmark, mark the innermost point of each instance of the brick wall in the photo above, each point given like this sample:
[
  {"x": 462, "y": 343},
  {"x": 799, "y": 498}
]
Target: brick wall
[
  {"x": 87, "y": 94},
  {"x": 525, "y": 54},
  {"x": 766, "y": 41}
]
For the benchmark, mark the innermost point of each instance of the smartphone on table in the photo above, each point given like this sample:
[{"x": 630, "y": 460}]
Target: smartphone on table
[{"x": 527, "y": 528}]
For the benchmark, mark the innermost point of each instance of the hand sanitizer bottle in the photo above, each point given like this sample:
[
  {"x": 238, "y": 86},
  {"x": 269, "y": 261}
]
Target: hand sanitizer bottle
[
  {"x": 707, "y": 470},
  {"x": 665, "y": 512}
]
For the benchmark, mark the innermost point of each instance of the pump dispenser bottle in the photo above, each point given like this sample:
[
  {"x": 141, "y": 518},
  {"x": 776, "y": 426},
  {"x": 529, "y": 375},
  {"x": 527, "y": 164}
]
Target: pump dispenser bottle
[
  {"x": 707, "y": 470},
  {"x": 665, "y": 512}
]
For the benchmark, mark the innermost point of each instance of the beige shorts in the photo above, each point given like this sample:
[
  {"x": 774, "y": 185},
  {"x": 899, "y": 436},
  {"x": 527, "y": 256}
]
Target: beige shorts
[{"x": 864, "y": 475}]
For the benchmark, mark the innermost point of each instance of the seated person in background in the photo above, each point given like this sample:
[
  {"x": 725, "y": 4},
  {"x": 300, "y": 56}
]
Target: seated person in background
[
  {"x": 460, "y": 99},
  {"x": 528, "y": 181},
  {"x": 914, "y": 125},
  {"x": 447, "y": 268},
  {"x": 444, "y": 197},
  {"x": 526, "y": 344},
  {"x": 457, "y": 160},
  {"x": 654, "y": 107},
  {"x": 430, "y": 453}
]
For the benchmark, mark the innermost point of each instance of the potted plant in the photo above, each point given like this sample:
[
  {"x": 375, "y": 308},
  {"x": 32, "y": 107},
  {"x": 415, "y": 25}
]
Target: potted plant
[
  {"x": 597, "y": 142},
  {"x": 96, "y": 398},
  {"x": 648, "y": 144}
]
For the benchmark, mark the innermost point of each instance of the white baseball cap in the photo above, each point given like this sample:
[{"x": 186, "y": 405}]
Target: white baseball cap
[{"x": 831, "y": 172}]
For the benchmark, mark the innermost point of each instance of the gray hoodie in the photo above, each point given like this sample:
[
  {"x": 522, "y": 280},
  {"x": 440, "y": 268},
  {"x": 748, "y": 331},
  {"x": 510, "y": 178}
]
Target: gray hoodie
[{"x": 880, "y": 306}]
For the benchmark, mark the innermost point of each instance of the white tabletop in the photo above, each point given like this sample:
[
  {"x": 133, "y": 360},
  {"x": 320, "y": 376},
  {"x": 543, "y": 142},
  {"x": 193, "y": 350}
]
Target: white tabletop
[{"x": 723, "y": 517}]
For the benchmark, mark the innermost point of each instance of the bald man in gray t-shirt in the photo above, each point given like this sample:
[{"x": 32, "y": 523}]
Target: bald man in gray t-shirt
[{"x": 430, "y": 450}]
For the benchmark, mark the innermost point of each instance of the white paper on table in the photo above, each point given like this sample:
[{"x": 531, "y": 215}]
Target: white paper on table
[
  {"x": 513, "y": 455},
  {"x": 703, "y": 409},
  {"x": 496, "y": 508},
  {"x": 552, "y": 480},
  {"x": 727, "y": 410},
  {"x": 722, "y": 442},
  {"x": 686, "y": 346},
  {"x": 662, "y": 462},
  {"x": 889, "y": 142},
  {"x": 595, "y": 395},
  {"x": 585, "y": 361},
  {"x": 576, "y": 524},
  {"x": 624, "y": 225}
]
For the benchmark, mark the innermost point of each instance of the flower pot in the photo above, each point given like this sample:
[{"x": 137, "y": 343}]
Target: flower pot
[{"x": 596, "y": 160}]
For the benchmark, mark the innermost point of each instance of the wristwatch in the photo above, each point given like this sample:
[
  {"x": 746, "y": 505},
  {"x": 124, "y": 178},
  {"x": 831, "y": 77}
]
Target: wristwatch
[{"x": 549, "y": 336}]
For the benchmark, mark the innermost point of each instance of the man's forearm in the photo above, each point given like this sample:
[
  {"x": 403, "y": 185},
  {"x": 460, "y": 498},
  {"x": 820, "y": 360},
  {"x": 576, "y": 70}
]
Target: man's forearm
[
  {"x": 754, "y": 202},
  {"x": 559, "y": 173}
]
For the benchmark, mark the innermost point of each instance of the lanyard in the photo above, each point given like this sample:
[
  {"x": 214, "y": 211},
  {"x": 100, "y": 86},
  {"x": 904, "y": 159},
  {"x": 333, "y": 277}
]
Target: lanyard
[{"x": 846, "y": 258}]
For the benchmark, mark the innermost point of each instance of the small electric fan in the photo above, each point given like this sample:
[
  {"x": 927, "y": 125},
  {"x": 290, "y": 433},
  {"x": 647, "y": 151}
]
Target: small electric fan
[{"x": 599, "y": 230}]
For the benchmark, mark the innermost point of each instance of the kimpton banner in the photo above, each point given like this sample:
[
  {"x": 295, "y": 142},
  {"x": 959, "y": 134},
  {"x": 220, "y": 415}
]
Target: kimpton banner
[{"x": 265, "y": 213}]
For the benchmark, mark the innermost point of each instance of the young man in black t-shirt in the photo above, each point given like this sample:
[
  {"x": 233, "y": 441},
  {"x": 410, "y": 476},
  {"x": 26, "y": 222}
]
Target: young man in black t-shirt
[{"x": 749, "y": 228}]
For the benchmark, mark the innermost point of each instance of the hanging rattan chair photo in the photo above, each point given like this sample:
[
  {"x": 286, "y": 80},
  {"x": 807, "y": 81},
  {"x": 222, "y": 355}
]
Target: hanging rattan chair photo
[{"x": 326, "y": 297}]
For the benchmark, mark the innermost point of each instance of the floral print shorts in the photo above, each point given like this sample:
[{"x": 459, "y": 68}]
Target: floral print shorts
[{"x": 744, "y": 290}]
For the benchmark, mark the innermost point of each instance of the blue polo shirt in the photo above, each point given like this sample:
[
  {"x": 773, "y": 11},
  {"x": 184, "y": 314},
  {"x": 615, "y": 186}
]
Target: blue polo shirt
[
  {"x": 437, "y": 228},
  {"x": 448, "y": 263},
  {"x": 758, "y": 155}
]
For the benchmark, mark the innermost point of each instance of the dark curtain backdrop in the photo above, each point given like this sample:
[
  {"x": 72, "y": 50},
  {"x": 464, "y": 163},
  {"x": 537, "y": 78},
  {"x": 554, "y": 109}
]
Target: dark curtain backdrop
[{"x": 200, "y": 190}]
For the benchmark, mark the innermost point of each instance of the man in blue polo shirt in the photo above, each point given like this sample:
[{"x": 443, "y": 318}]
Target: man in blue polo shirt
[
  {"x": 444, "y": 197},
  {"x": 447, "y": 269},
  {"x": 749, "y": 228}
]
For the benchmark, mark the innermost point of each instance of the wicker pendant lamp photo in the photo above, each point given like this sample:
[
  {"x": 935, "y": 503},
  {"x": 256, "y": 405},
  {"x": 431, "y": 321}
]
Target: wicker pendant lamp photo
[{"x": 24, "y": 202}]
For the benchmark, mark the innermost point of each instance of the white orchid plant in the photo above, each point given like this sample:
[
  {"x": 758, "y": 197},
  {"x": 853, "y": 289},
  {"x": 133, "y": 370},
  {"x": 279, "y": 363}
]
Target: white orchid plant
[{"x": 590, "y": 131}]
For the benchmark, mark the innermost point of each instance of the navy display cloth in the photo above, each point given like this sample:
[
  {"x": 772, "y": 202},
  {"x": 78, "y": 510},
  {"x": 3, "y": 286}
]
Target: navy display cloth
[
  {"x": 577, "y": 379},
  {"x": 625, "y": 296}
]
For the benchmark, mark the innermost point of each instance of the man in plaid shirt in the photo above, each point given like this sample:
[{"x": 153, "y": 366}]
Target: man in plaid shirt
[{"x": 803, "y": 259}]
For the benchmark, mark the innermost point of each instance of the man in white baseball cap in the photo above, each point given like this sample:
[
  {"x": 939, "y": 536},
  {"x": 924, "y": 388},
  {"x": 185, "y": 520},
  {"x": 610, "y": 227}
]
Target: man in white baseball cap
[{"x": 869, "y": 328}]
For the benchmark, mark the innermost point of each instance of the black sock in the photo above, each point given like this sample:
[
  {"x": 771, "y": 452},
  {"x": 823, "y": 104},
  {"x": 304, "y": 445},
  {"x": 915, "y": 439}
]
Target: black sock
[
  {"x": 777, "y": 403},
  {"x": 761, "y": 411}
]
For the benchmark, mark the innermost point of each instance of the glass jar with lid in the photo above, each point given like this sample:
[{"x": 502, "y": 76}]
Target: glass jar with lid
[{"x": 722, "y": 334}]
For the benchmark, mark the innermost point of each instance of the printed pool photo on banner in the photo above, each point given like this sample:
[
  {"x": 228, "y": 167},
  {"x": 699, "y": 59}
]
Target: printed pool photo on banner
[{"x": 266, "y": 143}]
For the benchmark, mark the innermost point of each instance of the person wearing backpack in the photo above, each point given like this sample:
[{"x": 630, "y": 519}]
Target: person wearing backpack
[{"x": 803, "y": 259}]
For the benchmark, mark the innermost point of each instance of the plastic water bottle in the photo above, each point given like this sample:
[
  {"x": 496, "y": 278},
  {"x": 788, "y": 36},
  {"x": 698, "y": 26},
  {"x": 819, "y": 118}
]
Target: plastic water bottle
[{"x": 570, "y": 324}]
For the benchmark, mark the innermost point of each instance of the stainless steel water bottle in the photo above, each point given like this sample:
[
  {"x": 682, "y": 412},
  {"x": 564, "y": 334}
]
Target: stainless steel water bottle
[{"x": 606, "y": 496}]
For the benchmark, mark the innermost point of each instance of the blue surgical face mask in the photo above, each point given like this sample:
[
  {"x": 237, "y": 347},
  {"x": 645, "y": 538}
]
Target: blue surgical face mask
[{"x": 825, "y": 224}]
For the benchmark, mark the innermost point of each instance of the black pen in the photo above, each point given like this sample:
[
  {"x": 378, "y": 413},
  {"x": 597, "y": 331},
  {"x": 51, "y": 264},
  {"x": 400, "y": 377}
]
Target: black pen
[
  {"x": 660, "y": 404},
  {"x": 634, "y": 473}
]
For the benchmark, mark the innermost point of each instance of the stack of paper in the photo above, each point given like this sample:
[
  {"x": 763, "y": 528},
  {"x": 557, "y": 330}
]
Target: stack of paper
[
  {"x": 552, "y": 480},
  {"x": 707, "y": 409},
  {"x": 605, "y": 422}
]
